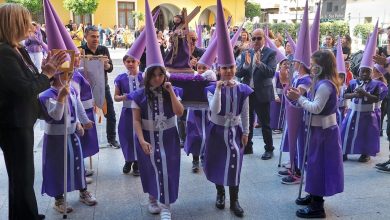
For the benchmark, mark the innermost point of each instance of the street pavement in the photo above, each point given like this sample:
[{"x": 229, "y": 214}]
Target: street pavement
[{"x": 262, "y": 196}]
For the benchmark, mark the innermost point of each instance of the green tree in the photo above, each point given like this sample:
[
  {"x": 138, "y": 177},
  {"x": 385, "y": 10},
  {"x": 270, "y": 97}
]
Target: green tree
[
  {"x": 81, "y": 7},
  {"x": 363, "y": 30},
  {"x": 34, "y": 6},
  {"x": 252, "y": 9}
]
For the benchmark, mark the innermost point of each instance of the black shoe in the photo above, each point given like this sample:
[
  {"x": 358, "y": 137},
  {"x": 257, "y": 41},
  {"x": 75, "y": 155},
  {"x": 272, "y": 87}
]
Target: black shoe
[
  {"x": 195, "y": 166},
  {"x": 236, "y": 208},
  {"x": 310, "y": 212},
  {"x": 248, "y": 149},
  {"x": 267, "y": 155},
  {"x": 345, "y": 157},
  {"x": 385, "y": 169},
  {"x": 127, "y": 167},
  {"x": 304, "y": 201},
  {"x": 135, "y": 169},
  {"x": 41, "y": 216},
  {"x": 114, "y": 144},
  {"x": 364, "y": 158},
  {"x": 384, "y": 164},
  {"x": 220, "y": 201}
]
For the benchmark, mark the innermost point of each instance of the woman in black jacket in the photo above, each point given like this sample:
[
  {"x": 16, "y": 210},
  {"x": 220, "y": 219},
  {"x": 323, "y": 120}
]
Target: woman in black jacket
[{"x": 20, "y": 84}]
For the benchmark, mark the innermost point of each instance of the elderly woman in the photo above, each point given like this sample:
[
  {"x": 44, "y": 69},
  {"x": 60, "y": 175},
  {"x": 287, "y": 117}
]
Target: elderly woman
[{"x": 20, "y": 84}]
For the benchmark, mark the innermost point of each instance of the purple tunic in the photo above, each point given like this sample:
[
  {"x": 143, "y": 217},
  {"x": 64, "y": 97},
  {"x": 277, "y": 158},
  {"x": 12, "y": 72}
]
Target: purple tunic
[
  {"x": 127, "y": 84},
  {"x": 325, "y": 174},
  {"x": 360, "y": 128},
  {"x": 298, "y": 157},
  {"x": 196, "y": 132},
  {"x": 160, "y": 170},
  {"x": 277, "y": 108},
  {"x": 89, "y": 141},
  {"x": 53, "y": 149},
  {"x": 224, "y": 150},
  {"x": 181, "y": 60}
]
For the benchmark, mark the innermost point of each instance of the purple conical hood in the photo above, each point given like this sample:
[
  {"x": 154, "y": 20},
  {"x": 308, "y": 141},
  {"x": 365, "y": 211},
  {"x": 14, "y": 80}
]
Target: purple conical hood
[
  {"x": 137, "y": 49},
  {"x": 64, "y": 34},
  {"x": 199, "y": 29},
  {"x": 54, "y": 38},
  {"x": 279, "y": 56},
  {"x": 236, "y": 35},
  {"x": 291, "y": 41},
  {"x": 225, "y": 50},
  {"x": 209, "y": 55},
  {"x": 380, "y": 68},
  {"x": 303, "y": 47},
  {"x": 153, "y": 53},
  {"x": 315, "y": 30},
  {"x": 340, "y": 58},
  {"x": 369, "y": 51}
]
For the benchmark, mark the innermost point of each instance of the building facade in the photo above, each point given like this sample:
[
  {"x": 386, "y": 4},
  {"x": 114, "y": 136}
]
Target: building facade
[{"x": 119, "y": 12}]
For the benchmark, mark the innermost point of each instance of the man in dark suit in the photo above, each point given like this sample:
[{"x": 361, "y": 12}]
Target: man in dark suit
[{"x": 257, "y": 68}]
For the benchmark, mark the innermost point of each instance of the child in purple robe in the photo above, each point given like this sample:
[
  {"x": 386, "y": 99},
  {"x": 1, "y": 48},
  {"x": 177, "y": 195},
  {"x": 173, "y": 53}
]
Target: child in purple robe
[
  {"x": 196, "y": 124},
  {"x": 302, "y": 81},
  {"x": 126, "y": 83},
  {"x": 360, "y": 128},
  {"x": 341, "y": 103},
  {"x": 89, "y": 141},
  {"x": 325, "y": 175},
  {"x": 155, "y": 110},
  {"x": 52, "y": 104},
  {"x": 226, "y": 136}
]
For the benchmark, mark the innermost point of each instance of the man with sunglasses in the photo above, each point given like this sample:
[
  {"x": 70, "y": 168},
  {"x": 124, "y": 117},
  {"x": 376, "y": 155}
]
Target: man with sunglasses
[
  {"x": 256, "y": 68},
  {"x": 195, "y": 51}
]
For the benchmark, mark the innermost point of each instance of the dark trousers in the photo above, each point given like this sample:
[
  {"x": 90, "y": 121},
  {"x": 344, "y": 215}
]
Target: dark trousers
[
  {"x": 181, "y": 124},
  {"x": 110, "y": 116},
  {"x": 383, "y": 113},
  {"x": 262, "y": 110},
  {"x": 17, "y": 145}
]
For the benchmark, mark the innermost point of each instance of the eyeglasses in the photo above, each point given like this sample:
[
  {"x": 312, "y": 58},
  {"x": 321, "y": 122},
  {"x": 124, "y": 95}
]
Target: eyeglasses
[
  {"x": 235, "y": 30},
  {"x": 257, "y": 38}
]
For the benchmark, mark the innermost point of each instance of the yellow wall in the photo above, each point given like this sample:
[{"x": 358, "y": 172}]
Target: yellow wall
[
  {"x": 2, "y": 1},
  {"x": 107, "y": 16}
]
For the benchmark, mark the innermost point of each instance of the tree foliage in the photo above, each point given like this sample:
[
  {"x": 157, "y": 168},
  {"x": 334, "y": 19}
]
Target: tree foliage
[
  {"x": 34, "y": 6},
  {"x": 252, "y": 9},
  {"x": 363, "y": 30},
  {"x": 81, "y": 7}
]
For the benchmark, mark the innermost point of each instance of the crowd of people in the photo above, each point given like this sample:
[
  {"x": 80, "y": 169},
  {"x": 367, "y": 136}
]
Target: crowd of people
[{"x": 304, "y": 90}]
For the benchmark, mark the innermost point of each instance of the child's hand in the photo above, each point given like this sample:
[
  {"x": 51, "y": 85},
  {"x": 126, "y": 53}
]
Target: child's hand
[
  {"x": 168, "y": 86},
  {"x": 220, "y": 84},
  {"x": 79, "y": 130},
  {"x": 146, "y": 147},
  {"x": 64, "y": 91},
  {"x": 124, "y": 97},
  {"x": 277, "y": 99},
  {"x": 244, "y": 140},
  {"x": 88, "y": 125}
]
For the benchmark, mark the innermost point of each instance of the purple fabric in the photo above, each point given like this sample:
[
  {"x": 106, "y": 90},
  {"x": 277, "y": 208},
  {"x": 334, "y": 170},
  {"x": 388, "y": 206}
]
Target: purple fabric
[
  {"x": 277, "y": 108},
  {"x": 224, "y": 47},
  {"x": 315, "y": 30},
  {"x": 196, "y": 132},
  {"x": 190, "y": 84},
  {"x": 224, "y": 150},
  {"x": 340, "y": 58},
  {"x": 360, "y": 130},
  {"x": 325, "y": 174},
  {"x": 160, "y": 173},
  {"x": 370, "y": 49},
  {"x": 53, "y": 153},
  {"x": 303, "y": 48},
  {"x": 34, "y": 43},
  {"x": 89, "y": 140},
  {"x": 125, "y": 126},
  {"x": 153, "y": 53}
]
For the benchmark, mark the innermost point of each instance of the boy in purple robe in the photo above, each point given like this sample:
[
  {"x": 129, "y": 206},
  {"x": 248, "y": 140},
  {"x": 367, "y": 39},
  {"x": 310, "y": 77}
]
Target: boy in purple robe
[
  {"x": 52, "y": 104},
  {"x": 228, "y": 129},
  {"x": 277, "y": 106},
  {"x": 196, "y": 124},
  {"x": 360, "y": 128},
  {"x": 325, "y": 175},
  {"x": 125, "y": 84}
]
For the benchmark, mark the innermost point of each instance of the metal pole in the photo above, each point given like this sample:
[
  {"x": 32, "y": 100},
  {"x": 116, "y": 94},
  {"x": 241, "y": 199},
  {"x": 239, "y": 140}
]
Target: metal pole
[
  {"x": 304, "y": 155},
  {"x": 65, "y": 156}
]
